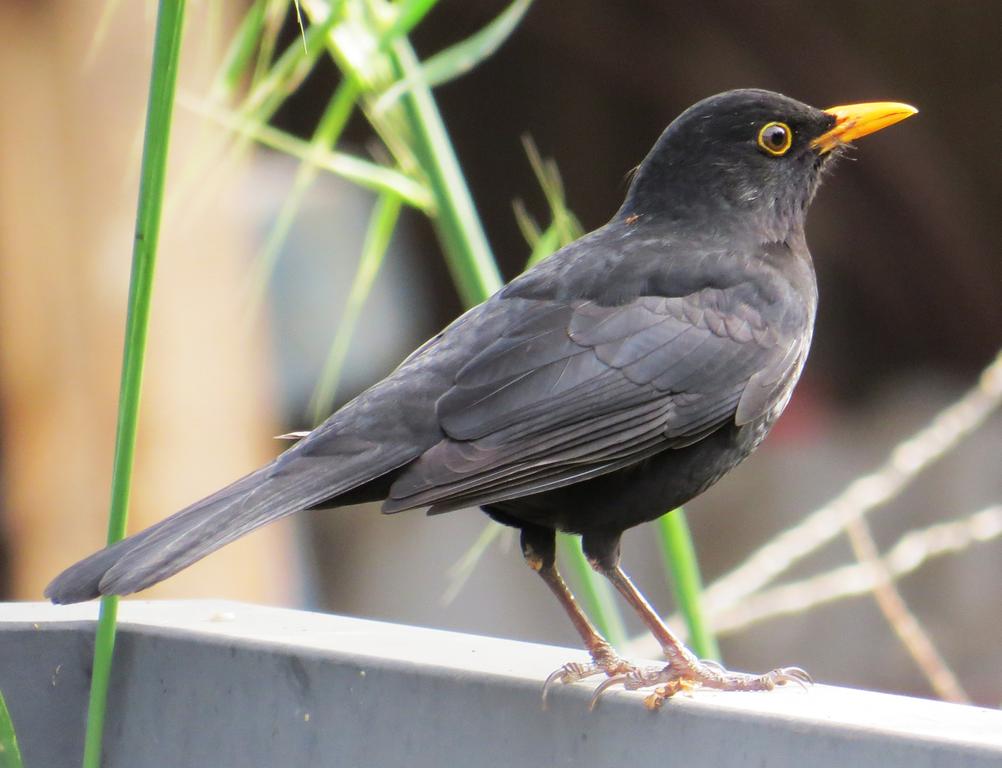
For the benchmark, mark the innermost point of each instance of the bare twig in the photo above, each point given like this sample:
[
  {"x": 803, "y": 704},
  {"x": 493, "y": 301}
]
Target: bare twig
[
  {"x": 905, "y": 624},
  {"x": 906, "y": 460},
  {"x": 910, "y": 553}
]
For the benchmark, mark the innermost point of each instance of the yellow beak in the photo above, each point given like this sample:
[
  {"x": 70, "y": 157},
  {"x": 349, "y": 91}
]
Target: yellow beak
[{"x": 855, "y": 120}]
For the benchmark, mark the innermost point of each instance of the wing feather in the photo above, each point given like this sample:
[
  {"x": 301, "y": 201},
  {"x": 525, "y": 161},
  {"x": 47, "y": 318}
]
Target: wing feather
[{"x": 575, "y": 389}]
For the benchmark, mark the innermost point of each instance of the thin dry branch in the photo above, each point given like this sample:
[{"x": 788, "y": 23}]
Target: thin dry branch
[
  {"x": 905, "y": 624},
  {"x": 911, "y": 552},
  {"x": 907, "y": 459}
]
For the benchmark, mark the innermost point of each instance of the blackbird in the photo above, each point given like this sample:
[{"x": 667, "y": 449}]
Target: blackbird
[{"x": 615, "y": 380}]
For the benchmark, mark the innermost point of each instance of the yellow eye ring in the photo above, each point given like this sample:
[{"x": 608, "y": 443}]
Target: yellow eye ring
[{"x": 775, "y": 138}]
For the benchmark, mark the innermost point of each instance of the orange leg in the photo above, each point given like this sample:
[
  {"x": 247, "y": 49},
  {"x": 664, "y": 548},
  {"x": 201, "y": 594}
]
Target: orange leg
[
  {"x": 684, "y": 670},
  {"x": 539, "y": 553}
]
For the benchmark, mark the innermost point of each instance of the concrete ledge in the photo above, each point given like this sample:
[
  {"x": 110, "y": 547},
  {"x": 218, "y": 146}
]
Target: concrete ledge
[{"x": 224, "y": 684}]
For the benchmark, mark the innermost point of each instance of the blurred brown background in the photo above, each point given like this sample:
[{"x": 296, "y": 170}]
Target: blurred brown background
[{"x": 906, "y": 243}]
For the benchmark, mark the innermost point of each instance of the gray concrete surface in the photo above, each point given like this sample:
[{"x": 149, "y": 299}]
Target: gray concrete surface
[{"x": 224, "y": 684}]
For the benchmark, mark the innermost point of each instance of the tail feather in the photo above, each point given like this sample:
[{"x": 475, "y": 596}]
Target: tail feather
[{"x": 169, "y": 546}]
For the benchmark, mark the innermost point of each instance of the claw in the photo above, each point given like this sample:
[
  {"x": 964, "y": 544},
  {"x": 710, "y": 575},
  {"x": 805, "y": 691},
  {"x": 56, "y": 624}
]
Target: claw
[
  {"x": 603, "y": 687},
  {"x": 792, "y": 675},
  {"x": 554, "y": 677},
  {"x": 632, "y": 680},
  {"x": 569, "y": 673},
  {"x": 575, "y": 671},
  {"x": 604, "y": 661}
]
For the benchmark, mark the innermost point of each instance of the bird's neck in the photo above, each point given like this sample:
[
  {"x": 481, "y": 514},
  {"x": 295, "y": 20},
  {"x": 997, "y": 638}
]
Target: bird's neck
[{"x": 679, "y": 197}]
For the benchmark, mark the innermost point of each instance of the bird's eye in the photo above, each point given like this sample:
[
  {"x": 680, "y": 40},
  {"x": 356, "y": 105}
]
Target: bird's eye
[{"x": 775, "y": 138}]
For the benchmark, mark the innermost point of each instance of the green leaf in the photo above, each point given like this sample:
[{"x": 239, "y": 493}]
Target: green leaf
[
  {"x": 10, "y": 753},
  {"x": 460, "y": 571},
  {"x": 239, "y": 53},
  {"x": 456, "y": 220},
  {"x": 458, "y": 59},
  {"x": 326, "y": 135},
  {"x": 409, "y": 16},
  {"x": 292, "y": 67},
  {"x": 527, "y": 225},
  {"x": 377, "y": 240},
  {"x": 548, "y": 242},
  {"x": 268, "y": 92},
  {"x": 682, "y": 570},
  {"x": 370, "y": 175},
  {"x": 564, "y": 228},
  {"x": 275, "y": 12},
  {"x": 596, "y": 593},
  {"x": 566, "y": 224}
]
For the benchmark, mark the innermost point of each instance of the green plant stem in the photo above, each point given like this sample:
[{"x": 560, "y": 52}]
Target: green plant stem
[
  {"x": 268, "y": 92},
  {"x": 274, "y": 19},
  {"x": 378, "y": 178},
  {"x": 377, "y": 240},
  {"x": 459, "y": 58},
  {"x": 163, "y": 79},
  {"x": 468, "y": 255},
  {"x": 596, "y": 593},
  {"x": 682, "y": 568},
  {"x": 10, "y": 753},
  {"x": 326, "y": 135},
  {"x": 410, "y": 16},
  {"x": 239, "y": 53}
]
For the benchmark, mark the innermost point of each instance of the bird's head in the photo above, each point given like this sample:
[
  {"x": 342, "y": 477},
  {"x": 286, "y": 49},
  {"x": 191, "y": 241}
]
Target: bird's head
[{"x": 748, "y": 159}]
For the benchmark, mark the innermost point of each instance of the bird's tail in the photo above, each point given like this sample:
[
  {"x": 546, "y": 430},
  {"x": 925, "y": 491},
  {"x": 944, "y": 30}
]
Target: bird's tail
[{"x": 175, "y": 543}]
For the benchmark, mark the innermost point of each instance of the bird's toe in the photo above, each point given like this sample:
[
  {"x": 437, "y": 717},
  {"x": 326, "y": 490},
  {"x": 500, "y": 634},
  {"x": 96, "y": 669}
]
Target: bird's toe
[{"x": 608, "y": 664}]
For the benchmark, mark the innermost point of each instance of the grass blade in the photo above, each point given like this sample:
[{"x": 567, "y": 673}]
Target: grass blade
[
  {"x": 596, "y": 593},
  {"x": 564, "y": 227},
  {"x": 565, "y": 223},
  {"x": 460, "y": 571},
  {"x": 274, "y": 19},
  {"x": 239, "y": 53},
  {"x": 299, "y": 21},
  {"x": 377, "y": 240},
  {"x": 269, "y": 91},
  {"x": 326, "y": 135},
  {"x": 547, "y": 242},
  {"x": 458, "y": 59},
  {"x": 456, "y": 221},
  {"x": 10, "y": 753},
  {"x": 163, "y": 80},
  {"x": 292, "y": 67},
  {"x": 373, "y": 176},
  {"x": 682, "y": 567},
  {"x": 409, "y": 16}
]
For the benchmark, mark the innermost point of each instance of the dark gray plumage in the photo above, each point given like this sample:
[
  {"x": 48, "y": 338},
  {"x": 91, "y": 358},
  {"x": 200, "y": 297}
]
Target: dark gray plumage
[
  {"x": 621, "y": 352},
  {"x": 611, "y": 383}
]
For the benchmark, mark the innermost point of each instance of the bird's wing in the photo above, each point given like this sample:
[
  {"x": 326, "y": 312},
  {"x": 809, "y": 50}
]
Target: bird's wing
[{"x": 574, "y": 389}]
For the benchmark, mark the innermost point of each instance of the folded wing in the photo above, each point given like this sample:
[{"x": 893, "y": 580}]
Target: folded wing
[{"x": 574, "y": 389}]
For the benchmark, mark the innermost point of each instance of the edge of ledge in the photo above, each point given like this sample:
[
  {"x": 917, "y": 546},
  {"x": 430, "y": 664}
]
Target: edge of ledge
[{"x": 437, "y": 652}]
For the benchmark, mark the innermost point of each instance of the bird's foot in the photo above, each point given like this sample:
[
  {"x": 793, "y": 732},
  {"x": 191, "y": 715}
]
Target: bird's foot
[
  {"x": 688, "y": 673},
  {"x": 604, "y": 661}
]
